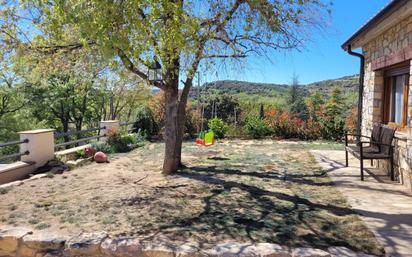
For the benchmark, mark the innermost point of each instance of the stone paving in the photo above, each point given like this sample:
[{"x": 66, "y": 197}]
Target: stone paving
[{"x": 385, "y": 206}]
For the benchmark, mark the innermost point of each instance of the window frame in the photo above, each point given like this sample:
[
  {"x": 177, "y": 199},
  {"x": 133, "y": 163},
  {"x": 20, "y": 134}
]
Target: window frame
[{"x": 390, "y": 75}]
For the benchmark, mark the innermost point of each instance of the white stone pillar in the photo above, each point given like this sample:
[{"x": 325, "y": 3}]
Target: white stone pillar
[
  {"x": 40, "y": 146},
  {"x": 109, "y": 126}
]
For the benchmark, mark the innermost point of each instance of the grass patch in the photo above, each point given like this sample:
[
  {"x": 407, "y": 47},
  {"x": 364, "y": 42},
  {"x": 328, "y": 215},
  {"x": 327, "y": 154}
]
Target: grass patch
[{"x": 42, "y": 226}]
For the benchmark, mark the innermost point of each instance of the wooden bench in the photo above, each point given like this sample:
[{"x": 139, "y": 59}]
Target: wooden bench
[{"x": 378, "y": 147}]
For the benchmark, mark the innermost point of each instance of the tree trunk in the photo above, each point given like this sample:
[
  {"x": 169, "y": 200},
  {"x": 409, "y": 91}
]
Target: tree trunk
[
  {"x": 172, "y": 152},
  {"x": 175, "y": 116}
]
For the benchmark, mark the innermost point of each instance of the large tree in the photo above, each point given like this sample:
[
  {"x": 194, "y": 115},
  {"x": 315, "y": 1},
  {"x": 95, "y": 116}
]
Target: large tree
[{"x": 179, "y": 35}]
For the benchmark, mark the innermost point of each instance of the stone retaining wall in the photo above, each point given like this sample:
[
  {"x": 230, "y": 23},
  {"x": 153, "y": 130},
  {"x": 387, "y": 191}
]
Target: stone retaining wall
[{"x": 23, "y": 242}]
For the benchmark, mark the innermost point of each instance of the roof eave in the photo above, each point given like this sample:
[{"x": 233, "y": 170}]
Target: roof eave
[{"x": 381, "y": 15}]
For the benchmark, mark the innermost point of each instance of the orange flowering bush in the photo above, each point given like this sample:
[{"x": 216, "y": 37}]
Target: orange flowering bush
[{"x": 285, "y": 124}]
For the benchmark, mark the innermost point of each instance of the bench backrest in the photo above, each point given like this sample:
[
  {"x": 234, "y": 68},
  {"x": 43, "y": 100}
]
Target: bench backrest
[
  {"x": 387, "y": 135},
  {"x": 375, "y": 136}
]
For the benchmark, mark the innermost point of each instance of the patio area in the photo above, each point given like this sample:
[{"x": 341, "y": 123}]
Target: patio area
[{"x": 384, "y": 205}]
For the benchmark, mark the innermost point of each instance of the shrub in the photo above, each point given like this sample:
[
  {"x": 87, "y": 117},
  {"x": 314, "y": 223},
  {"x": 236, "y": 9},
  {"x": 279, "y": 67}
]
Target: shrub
[
  {"x": 256, "y": 127},
  {"x": 81, "y": 154},
  {"x": 235, "y": 131},
  {"x": 118, "y": 143},
  {"x": 285, "y": 124},
  {"x": 145, "y": 122},
  {"x": 133, "y": 140},
  {"x": 102, "y": 147},
  {"x": 218, "y": 126}
]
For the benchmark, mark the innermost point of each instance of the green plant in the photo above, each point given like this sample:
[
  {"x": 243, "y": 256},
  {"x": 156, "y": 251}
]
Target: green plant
[
  {"x": 235, "y": 131},
  {"x": 218, "y": 126},
  {"x": 119, "y": 144},
  {"x": 50, "y": 174},
  {"x": 256, "y": 127},
  {"x": 42, "y": 226},
  {"x": 102, "y": 147},
  {"x": 145, "y": 122},
  {"x": 129, "y": 139},
  {"x": 81, "y": 154}
]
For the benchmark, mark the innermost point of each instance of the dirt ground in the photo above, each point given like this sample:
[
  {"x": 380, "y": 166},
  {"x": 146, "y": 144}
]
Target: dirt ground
[{"x": 248, "y": 191}]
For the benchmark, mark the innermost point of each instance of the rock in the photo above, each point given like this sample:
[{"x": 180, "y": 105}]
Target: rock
[
  {"x": 11, "y": 184},
  {"x": 157, "y": 250},
  {"x": 309, "y": 252},
  {"x": 187, "y": 250},
  {"x": 37, "y": 176},
  {"x": 10, "y": 238},
  {"x": 232, "y": 250},
  {"x": 345, "y": 252},
  {"x": 53, "y": 166},
  {"x": 100, "y": 157},
  {"x": 85, "y": 244},
  {"x": 43, "y": 242},
  {"x": 270, "y": 250},
  {"x": 75, "y": 163},
  {"x": 121, "y": 247}
]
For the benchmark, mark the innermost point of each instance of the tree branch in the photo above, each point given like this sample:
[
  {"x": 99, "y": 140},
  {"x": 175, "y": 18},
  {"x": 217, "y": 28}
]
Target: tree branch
[{"x": 131, "y": 67}]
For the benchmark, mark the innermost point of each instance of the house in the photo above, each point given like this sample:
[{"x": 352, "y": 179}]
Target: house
[{"x": 385, "y": 82}]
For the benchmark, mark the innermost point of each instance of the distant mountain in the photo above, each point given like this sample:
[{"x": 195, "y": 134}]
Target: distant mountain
[{"x": 346, "y": 84}]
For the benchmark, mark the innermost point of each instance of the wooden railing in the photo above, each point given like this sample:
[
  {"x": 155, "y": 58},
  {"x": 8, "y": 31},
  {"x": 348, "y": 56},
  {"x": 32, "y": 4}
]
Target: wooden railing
[{"x": 14, "y": 155}]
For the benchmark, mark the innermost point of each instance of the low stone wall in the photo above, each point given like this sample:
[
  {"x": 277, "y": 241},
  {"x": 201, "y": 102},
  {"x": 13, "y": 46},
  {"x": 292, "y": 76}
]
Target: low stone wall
[
  {"x": 24, "y": 242},
  {"x": 15, "y": 171},
  {"x": 402, "y": 168}
]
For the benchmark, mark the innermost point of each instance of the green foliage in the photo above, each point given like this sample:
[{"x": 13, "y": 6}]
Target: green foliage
[
  {"x": 218, "y": 126},
  {"x": 122, "y": 144},
  {"x": 134, "y": 140},
  {"x": 119, "y": 144},
  {"x": 81, "y": 154},
  {"x": 102, "y": 147},
  {"x": 334, "y": 121},
  {"x": 145, "y": 122},
  {"x": 295, "y": 101},
  {"x": 222, "y": 106},
  {"x": 235, "y": 131},
  {"x": 256, "y": 127}
]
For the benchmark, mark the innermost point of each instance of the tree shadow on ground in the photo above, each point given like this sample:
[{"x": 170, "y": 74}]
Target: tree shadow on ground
[{"x": 236, "y": 209}]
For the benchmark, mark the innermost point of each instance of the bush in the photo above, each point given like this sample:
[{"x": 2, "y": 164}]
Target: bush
[
  {"x": 285, "y": 124},
  {"x": 81, "y": 154},
  {"x": 234, "y": 131},
  {"x": 145, "y": 122},
  {"x": 102, "y": 147},
  {"x": 134, "y": 140},
  {"x": 118, "y": 143},
  {"x": 256, "y": 127},
  {"x": 218, "y": 126}
]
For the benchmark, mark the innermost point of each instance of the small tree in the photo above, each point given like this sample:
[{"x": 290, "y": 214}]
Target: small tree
[{"x": 296, "y": 101}]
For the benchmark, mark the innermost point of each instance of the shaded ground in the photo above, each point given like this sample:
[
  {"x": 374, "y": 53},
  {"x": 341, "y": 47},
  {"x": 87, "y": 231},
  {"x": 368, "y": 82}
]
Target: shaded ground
[
  {"x": 246, "y": 191},
  {"x": 385, "y": 205}
]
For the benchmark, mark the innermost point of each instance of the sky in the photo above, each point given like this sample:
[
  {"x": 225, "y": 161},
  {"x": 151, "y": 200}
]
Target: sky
[{"x": 322, "y": 59}]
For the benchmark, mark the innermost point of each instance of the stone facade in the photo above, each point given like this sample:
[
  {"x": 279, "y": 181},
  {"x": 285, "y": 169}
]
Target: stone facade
[{"x": 392, "y": 46}]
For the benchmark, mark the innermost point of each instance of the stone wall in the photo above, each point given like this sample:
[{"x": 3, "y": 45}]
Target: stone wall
[
  {"x": 392, "y": 46},
  {"x": 23, "y": 242}
]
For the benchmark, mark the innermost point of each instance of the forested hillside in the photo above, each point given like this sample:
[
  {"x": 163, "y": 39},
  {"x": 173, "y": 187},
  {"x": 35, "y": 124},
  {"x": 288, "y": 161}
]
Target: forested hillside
[{"x": 276, "y": 94}]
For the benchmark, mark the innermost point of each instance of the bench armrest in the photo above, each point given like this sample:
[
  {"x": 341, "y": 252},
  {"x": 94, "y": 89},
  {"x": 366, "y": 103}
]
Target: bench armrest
[
  {"x": 355, "y": 135},
  {"x": 373, "y": 142}
]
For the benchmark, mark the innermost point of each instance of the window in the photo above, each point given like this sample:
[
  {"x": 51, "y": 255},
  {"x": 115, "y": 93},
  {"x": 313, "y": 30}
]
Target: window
[{"x": 396, "y": 91}]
